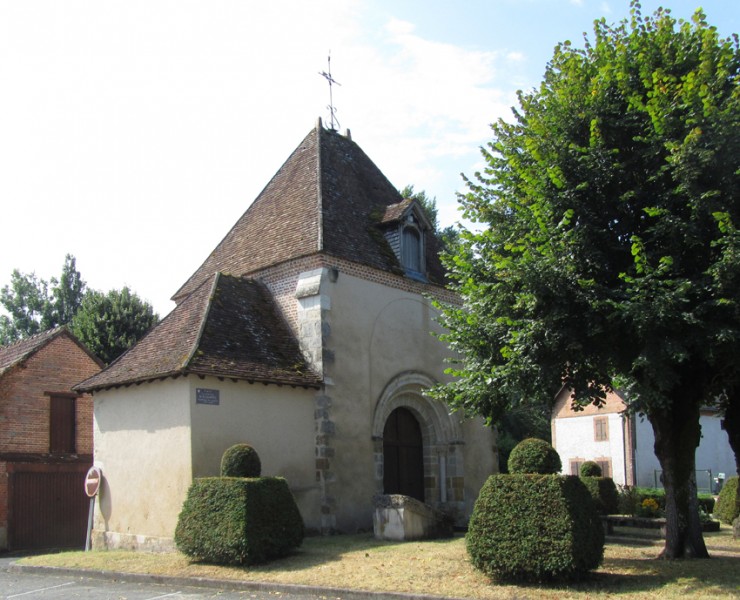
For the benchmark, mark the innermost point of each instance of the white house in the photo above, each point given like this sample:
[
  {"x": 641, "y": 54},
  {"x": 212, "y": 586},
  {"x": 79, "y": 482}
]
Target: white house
[
  {"x": 623, "y": 446},
  {"x": 305, "y": 333}
]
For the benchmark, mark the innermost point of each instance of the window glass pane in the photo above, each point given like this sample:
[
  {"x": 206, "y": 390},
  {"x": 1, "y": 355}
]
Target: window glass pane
[{"x": 411, "y": 251}]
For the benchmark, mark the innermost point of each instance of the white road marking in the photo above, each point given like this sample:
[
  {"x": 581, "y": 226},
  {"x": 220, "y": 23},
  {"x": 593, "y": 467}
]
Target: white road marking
[{"x": 40, "y": 590}]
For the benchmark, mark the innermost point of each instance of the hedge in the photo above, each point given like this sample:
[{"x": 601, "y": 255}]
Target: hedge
[
  {"x": 534, "y": 455},
  {"x": 241, "y": 460},
  {"x": 727, "y": 507},
  {"x": 631, "y": 498},
  {"x": 238, "y": 521},
  {"x": 535, "y": 528},
  {"x": 604, "y": 493}
]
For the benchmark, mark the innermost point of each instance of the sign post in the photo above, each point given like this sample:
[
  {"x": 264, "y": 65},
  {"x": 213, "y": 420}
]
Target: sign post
[{"x": 92, "y": 487}]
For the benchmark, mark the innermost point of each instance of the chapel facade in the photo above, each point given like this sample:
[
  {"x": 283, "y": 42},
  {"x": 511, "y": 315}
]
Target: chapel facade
[{"x": 307, "y": 333}]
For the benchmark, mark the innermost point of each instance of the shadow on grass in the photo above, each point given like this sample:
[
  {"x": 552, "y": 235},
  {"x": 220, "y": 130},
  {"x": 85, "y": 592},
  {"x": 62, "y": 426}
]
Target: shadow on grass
[
  {"x": 320, "y": 550},
  {"x": 716, "y": 576}
]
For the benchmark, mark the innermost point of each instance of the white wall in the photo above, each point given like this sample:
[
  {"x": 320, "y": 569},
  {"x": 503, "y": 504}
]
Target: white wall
[
  {"x": 574, "y": 439},
  {"x": 278, "y": 421},
  {"x": 714, "y": 452},
  {"x": 142, "y": 445}
]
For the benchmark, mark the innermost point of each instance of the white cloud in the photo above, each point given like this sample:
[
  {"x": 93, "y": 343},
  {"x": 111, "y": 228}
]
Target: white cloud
[{"x": 135, "y": 134}]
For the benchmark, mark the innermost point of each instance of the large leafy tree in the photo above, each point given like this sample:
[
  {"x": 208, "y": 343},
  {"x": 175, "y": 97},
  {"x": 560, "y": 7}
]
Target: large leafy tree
[
  {"x": 34, "y": 305},
  {"x": 109, "y": 324},
  {"x": 608, "y": 248},
  {"x": 447, "y": 237}
]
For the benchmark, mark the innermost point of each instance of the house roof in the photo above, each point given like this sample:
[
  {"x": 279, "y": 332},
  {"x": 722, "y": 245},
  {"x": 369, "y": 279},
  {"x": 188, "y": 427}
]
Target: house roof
[
  {"x": 328, "y": 197},
  {"x": 18, "y": 352},
  {"x": 227, "y": 327}
]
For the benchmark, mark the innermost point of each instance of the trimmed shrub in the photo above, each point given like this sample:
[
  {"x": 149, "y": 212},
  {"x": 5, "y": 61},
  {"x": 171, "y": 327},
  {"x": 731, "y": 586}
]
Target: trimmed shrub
[
  {"x": 590, "y": 469},
  {"x": 238, "y": 521},
  {"x": 241, "y": 460},
  {"x": 726, "y": 509},
  {"x": 604, "y": 494},
  {"x": 535, "y": 528},
  {"x": 534, "y": 456}
]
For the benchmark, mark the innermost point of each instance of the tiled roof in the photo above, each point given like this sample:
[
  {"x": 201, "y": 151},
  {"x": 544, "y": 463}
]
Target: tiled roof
[
  {"x": 18, "y": 352},
  {"x": 227, "y": 327},
  {"x": 327, "y": 197},
  {"x": 394, "y": 212}
]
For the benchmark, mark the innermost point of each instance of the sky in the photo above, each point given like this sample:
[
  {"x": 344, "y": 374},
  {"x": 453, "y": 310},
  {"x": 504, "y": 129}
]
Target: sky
[{"x": 133, "y": 135}]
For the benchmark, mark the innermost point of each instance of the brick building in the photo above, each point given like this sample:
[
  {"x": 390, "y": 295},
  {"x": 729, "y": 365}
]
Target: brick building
[{"x": 46, "y": 441}]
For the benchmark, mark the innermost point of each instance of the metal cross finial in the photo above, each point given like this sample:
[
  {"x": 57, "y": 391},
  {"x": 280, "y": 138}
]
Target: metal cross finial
[{"x": 332, "y": 111}]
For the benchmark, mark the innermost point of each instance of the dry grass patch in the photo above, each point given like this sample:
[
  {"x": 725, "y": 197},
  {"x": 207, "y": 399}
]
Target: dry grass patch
[{"x": 630, "y": 570}]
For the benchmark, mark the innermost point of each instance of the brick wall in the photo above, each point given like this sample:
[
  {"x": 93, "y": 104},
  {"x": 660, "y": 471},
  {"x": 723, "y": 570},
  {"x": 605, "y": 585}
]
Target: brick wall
[
  {"x": 24, "y": 397},
  {"x": 24, "y": 408}
]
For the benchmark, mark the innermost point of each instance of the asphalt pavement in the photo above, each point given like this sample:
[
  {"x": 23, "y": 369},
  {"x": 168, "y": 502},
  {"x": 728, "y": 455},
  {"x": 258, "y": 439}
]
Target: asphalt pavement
[{"x": 51, "y": 583}]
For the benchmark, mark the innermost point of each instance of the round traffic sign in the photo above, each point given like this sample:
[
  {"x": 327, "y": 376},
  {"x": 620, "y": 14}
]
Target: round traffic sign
[{"x": 92, "y": 481}]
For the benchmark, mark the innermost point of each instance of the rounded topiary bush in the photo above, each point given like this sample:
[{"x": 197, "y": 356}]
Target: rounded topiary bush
[
  {"x": 241, "y": 460},
  {"x": 604, "y": 492},
  {"x": 726, "y": 508},
  {"x": 590, "y": 469},
  {"x": 534, "y": 456},
  {"x": 535, "y": 528},
  {"x": 239, "y": 520}
]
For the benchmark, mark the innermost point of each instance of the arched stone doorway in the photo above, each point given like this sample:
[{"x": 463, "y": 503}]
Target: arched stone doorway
[
  {"x": 403, "y": 455},
  {"x": 442, "y": 469}
]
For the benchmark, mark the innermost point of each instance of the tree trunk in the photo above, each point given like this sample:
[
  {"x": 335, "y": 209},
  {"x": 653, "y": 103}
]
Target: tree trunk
[
  {"x": 677, "y": 434},
  {"x": 732, "y": 424}
]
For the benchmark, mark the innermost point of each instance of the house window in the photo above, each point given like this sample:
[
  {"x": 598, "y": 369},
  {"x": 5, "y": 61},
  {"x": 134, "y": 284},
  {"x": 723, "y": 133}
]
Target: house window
[
  {"x": 62, "y": 425},
  {"x": 601, "y": 429},
  {"x": 606, "y": 466},
  {"x": 575, "y": 466}
]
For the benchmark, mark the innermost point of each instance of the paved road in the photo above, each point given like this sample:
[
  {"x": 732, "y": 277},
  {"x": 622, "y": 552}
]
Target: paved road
[{"x": 28, "y": 586}]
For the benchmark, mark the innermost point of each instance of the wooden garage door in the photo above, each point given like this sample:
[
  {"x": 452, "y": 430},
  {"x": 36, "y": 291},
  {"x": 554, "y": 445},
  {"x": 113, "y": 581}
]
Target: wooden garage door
[{"x": 48, "y": 510}]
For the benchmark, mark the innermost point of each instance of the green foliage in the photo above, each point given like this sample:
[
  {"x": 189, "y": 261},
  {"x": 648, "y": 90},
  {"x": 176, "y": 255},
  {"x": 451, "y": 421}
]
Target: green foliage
[
  {"x": 631, "y": 500},
  {"x": 109, "y": 324},
  {"x": 448, "y": 237},
  {"x": 239, "y": 521},
  {"x": 727, "y": 508},
  {"x": 518, "y": 424},
  {"x": 649, "y": 508},
  {"x": 534, "y": 456},
  {"x": 241, "y": 460},
  {"x": 603, "y": 492},
  {"x": 535, "y": 528},
  {"x": 35, "y": 305},
  {"x": 606, "y": 247},
  {"x": 590, "y": 469}
]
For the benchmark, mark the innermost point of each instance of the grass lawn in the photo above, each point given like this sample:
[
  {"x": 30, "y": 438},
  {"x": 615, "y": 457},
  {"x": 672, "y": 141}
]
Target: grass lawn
[{"x": 442, "y": 568}]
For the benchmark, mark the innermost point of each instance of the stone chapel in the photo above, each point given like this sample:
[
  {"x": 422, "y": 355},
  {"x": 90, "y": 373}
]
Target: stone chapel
[{"x": 307, "y": 333}]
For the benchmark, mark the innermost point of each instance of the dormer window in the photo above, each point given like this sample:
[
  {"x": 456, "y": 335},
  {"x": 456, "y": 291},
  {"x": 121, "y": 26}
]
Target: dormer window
[
  {"x": 411, "y": 250},
  {"x": 405, "y": 225}
]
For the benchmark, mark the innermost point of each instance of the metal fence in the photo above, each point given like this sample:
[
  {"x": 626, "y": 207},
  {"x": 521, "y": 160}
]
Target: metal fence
[{"x": 705, "y": 484}]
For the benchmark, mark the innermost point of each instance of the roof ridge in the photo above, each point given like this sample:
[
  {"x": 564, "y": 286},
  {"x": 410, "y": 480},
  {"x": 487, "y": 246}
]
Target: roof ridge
[
  {"x": 204, "y": 320},
  {"x": 319, "y": 191}
]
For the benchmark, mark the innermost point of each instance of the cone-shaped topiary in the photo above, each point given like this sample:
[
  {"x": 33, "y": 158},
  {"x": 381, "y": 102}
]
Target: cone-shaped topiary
[
  {"x": 590, "y": 469},
  {"x": 534, "y": 456},
  {"x": 241, "y": 460}
]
